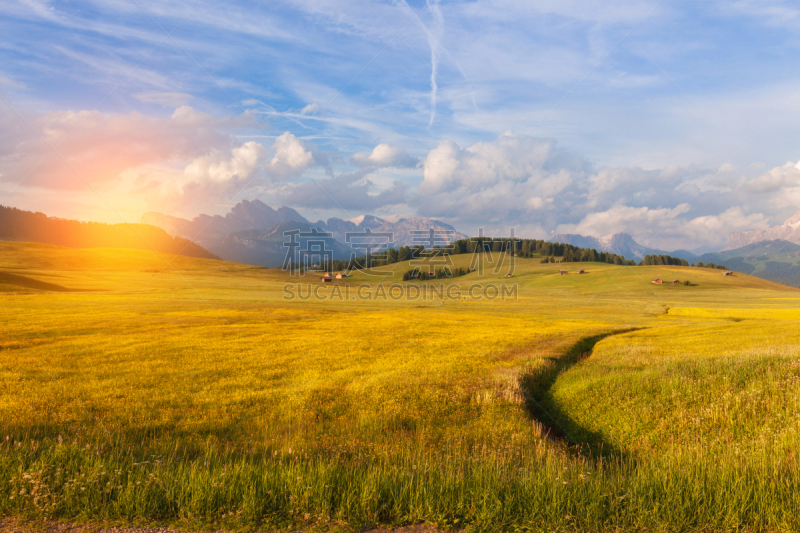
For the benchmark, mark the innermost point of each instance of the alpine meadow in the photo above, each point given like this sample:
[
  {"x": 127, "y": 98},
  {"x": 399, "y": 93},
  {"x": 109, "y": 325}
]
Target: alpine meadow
[
  {"x": 399, "y": 266},
  {"x": 150, "y": 388}
]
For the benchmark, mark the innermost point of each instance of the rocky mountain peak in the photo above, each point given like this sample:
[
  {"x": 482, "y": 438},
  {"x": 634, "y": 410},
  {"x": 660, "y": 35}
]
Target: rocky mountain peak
[
  {"x": 788, "y": 231},
  {"x": 794, "y": 221}
]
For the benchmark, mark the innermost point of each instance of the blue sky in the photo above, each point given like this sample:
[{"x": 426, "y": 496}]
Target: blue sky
[{"x": 673, "y": 121}]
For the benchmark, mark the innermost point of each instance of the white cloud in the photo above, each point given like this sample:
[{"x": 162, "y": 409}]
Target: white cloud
[
  {"x": 191, "y": 158},
  {"x": 623, "y": 218},
  {"x": 498, "y": 180},
  {"x": 292, "y": 157},
  {"x": 310, "y": 109},
  {"x": 531, "y": 183},
  {"x": 217, "y": 168},
  {"x": 777, "y": 179},
  {"x": 384, "y": 156}
]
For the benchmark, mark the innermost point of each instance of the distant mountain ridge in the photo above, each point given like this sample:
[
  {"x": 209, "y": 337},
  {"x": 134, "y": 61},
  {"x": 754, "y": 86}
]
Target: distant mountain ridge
[
  {"x": 230, "y": 236},
  {"x": 209, "y": 230},
  {"x": 788, "y": 231},
  {"x": 267, "y": 247},
  {"x": 620, "y": 244},
  {"x": 775, "y": 260},
  {"x": 401, "y": 230}
]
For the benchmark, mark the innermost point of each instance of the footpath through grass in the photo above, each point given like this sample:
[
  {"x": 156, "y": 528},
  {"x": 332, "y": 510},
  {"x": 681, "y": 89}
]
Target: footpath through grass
[{"x": 199, "y": 397}]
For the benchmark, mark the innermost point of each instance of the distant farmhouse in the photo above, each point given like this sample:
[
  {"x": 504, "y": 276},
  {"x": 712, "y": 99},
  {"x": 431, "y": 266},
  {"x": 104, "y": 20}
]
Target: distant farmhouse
[
  {"x": 563, "y": 272},
  {"x": 657, "y": 281},
  {"x": 581, "y": 272}
]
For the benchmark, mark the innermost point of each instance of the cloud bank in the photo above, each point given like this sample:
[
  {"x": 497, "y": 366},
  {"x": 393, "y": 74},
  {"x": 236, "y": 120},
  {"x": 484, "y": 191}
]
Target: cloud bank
[{"x": 192, "y": 158}]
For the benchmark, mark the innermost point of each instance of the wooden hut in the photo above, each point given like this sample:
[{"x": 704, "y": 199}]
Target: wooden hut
[{"x": 657, "y": 281}]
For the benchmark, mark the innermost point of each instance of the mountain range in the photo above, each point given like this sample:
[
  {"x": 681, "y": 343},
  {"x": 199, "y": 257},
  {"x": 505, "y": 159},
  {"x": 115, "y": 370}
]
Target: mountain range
[
  {"x": 267, "y": 247},
  {"x": 772, "y": 259},
  {"x": 253, "y": 232},
  {"x": 620, "y": 244},
  {"x": 788, "y": 231},
  {"x": 775, "y": 260}
]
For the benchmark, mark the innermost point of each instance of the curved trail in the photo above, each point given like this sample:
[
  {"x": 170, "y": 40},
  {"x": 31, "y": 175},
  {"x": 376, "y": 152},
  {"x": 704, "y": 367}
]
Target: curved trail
[{"x": 536, "y": 387}]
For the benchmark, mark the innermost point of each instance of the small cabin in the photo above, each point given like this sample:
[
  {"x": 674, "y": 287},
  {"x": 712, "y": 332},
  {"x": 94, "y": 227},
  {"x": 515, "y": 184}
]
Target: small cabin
[
  {"x": 340, "y": 275},
  {"x": 326, "y": 278},
  {"x": 581, "y": 272},
  {"x": 657, "y": 281},
  {"x": 676, "y": 282},
  {"x": 727, "y": 273},
  {"x": 563, "y": 272}
]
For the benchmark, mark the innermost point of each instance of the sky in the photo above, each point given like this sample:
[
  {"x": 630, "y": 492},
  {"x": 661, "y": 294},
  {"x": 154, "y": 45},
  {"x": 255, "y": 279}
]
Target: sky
[{"x": 676, "y": 122}]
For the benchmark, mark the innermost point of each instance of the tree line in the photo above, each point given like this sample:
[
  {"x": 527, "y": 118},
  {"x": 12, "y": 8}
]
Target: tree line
[
  {"x": 710, "y": 265},
  {"x": 553, "y": 252},
  {"x": 663, "y": 260}
]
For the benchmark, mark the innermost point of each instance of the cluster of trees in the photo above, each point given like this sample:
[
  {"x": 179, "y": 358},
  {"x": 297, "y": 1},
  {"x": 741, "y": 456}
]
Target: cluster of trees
[
  {"x": 439, "y": 273},
  {"x": 531, "y": 247},
  {"x": 519, "y": 247},
  {"x": 663, "y": 260},
  {"x": 710, "y": 265},
  {"x": 19, "y": 225}
]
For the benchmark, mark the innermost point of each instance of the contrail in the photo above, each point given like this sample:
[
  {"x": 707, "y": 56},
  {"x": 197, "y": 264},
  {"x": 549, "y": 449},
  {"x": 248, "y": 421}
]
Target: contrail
[
  {"x": 433, "y": 6},
  {"x": 433, "y": 42}
]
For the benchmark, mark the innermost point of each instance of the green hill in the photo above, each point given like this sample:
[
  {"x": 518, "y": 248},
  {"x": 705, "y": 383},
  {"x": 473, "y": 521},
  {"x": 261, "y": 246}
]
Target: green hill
[
  {"x": 776, "y": 260},
  {"x": 19, "y": 225}
]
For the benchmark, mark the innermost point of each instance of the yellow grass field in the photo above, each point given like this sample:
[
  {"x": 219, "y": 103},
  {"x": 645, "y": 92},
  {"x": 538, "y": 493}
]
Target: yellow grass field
[{"x": 160, "y": 389}]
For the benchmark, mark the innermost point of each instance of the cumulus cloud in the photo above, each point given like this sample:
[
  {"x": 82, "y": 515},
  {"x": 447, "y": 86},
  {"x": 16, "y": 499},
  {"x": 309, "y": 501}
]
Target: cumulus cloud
[
  {"x": 528, "y": 183},
  {"x": 624, "y": 216},
  {"x": 385, "y": 156},
  {"x": 532, "y": 183},
  {"x": 293, "y": 157},
  {"x": 779, "y": 178},
  {"x": 709, "y": 228},
  {"x": 504, "y": 180},
  {"x": 225, "y": 168}
]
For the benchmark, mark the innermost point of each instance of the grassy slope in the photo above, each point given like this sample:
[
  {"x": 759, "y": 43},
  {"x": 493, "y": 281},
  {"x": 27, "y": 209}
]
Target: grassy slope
[
  {"x": 783, "y": 267},
  {"x": 198, "y": 395}
]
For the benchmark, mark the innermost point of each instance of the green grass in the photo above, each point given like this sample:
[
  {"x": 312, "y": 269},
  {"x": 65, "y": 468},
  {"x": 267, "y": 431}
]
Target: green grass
[{"x": 196, "y": 395}]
